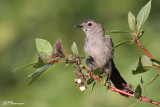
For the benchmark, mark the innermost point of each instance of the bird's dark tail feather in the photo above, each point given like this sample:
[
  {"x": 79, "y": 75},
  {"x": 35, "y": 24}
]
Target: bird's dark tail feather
[{"x": 118, "y": 80}]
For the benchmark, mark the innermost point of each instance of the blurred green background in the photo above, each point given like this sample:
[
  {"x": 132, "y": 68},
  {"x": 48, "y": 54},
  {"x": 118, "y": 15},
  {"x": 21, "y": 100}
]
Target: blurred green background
[{"x": 21, "y": 21}]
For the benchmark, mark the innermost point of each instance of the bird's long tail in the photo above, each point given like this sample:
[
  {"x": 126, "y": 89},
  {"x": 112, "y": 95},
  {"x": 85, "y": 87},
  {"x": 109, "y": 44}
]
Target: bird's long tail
[{"x": 119, "y": 81}]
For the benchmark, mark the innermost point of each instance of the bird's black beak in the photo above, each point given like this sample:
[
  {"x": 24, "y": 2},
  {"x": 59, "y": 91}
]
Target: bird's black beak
[{"x": 79, "y": 26}]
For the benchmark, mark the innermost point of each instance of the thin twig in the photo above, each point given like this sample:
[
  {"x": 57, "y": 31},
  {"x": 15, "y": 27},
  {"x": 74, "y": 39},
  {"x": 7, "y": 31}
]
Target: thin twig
[
  {"x": 143, "y": 98},
  {"x": 95, "y": 77},
  {"x": 144, "y": 49}
]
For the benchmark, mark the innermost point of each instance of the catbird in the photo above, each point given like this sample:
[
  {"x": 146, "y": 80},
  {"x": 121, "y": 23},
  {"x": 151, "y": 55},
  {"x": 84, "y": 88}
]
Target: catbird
[{"x": 99, "y": 47}]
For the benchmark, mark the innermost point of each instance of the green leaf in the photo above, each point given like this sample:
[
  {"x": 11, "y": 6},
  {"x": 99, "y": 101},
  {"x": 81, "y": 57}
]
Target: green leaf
[
  {"x": 93, "y": 86},
  {"x": 43, "y": 46},
  {"x": 143, "y": 65},
  {"x": 45, "y": 58},
  {"x": 146, "y": 61},
  {"x": 138, "y": 91},
  {"x": 131, "y": 21},
  {"x": 24, "y": 66},
  {"x": 155, "y": 62},
  {"x": 140, "y": 34},
  {"x": 39, "y": 63},
  {"x": 74, "y": 48},
  {"x": 38, "y": 73},
  {"x": 90, "y": 80},
  {"x": 153, "y": 79},
  {"x": 121, "y": 43},
  {"x": 143, "y": 15},
  {"x": 97, "y": 71}
]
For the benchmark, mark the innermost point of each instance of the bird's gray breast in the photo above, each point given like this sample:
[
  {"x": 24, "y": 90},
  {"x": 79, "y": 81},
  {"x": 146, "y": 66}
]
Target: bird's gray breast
[{"x": 99, "y": 50}]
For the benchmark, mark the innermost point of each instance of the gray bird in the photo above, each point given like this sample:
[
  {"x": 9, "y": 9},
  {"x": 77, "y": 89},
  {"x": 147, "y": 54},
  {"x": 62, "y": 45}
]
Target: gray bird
[{"x": 99, "y": 47}]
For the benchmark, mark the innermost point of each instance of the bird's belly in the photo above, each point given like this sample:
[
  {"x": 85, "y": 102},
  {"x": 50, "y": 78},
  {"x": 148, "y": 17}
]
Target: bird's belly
[{"x": 99, "y": 53}]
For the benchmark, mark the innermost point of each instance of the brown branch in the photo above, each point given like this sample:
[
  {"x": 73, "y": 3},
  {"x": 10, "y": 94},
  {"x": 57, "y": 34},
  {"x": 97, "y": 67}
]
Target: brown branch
[
  {"x": 144, "y": 49},
  {"x": 143, "y": 98},
  {"x": 95, "y": 77}
]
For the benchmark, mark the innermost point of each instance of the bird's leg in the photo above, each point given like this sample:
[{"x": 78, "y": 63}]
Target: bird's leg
[
  {"x": 108, "y": 82},
  {"x": 108, "y": 71}
]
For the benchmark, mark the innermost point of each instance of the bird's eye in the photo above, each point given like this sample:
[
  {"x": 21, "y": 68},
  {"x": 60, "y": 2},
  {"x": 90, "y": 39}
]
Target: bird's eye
[{"x": 89, "y": 24}]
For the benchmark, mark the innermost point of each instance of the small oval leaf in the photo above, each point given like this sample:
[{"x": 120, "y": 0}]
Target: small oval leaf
[
  {"x": 38, "y": 73},
  {"x": 142, "y": 65},
  {"x": 39, "y": 63},
  {"x": 93, "y": 86},
  {"x": 74, "y": 48},
  {"x": 43, "y": 46},
  {"x": 45, "y": 58},
  {"x": 90, "y": 80},
  {"x": 97, "y": 71},
  {"x": 138, "y": 91},
  {"x": 140, "y": 34},
  {"x": 131, "y": 21},
  {"x": 143, "y": 15}
]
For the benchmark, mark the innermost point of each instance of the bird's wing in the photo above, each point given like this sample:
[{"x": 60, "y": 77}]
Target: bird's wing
[{"x": 109, "y": 43}]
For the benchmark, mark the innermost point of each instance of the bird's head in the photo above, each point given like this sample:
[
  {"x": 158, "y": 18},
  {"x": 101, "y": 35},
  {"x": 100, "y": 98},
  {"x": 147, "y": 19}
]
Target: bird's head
[{"x": 91, "y": 27}]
